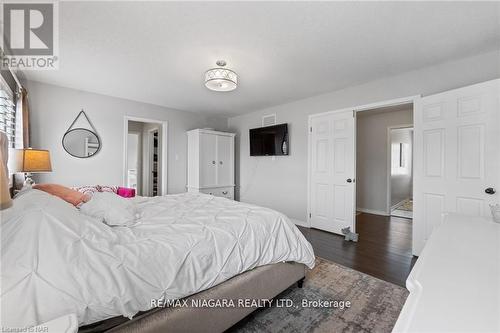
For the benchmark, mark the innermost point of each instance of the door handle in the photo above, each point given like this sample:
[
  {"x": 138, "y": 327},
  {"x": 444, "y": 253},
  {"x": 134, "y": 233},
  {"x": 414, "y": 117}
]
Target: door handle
[
  {"x": 490, "y": 190},
  {"x": 220, "y": 162},
  {"x": 213, "y": 162},
  {"x": 349, "y": 180},
  {"x": 224, "y": 192}
]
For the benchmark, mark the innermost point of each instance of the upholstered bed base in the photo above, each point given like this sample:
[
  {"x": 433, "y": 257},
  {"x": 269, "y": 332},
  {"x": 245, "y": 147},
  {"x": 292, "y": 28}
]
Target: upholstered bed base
[{"x": 263, "y": 282}]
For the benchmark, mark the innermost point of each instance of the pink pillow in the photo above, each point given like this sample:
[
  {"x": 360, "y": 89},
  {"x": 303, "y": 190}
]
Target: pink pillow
[
  {"x": 73, "y": 197},
  {"x": 126, "y": 192}
]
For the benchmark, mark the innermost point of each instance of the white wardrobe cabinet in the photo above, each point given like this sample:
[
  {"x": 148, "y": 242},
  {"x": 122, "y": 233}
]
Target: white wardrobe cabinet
[{"x": 211, "y": 162}]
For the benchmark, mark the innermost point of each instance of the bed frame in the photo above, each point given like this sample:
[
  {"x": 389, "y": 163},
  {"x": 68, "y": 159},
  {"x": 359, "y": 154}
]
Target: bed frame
[{"x": 263, "y": 282}]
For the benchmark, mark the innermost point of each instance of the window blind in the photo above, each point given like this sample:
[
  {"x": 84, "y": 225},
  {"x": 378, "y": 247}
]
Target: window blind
[{"x": 8, "y": 116}]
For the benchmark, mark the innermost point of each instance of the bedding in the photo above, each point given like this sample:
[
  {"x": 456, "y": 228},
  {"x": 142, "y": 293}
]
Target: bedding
[
  {"x": 57, "y": 261},
  {"x": 111, "y": 209}
]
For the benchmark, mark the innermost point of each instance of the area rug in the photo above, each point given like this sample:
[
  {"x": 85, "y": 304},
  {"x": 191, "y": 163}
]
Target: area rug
[{"x": 374, "y": 304}]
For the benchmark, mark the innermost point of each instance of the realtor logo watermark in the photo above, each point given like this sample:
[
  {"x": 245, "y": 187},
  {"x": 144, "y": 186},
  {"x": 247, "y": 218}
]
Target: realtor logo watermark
[{"x": 30, "y": 32}]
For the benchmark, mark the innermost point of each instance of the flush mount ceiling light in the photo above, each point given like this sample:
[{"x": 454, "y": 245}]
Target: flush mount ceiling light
[{"x": 220, "y": 78}]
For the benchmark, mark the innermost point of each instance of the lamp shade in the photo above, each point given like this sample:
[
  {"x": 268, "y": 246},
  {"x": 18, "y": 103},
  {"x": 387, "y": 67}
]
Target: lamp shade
[{"x": 33, "y": 160}]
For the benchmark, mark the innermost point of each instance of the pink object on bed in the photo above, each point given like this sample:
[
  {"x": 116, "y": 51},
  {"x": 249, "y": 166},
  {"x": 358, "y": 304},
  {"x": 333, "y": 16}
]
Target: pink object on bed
[{"x": 126, "y": 192}]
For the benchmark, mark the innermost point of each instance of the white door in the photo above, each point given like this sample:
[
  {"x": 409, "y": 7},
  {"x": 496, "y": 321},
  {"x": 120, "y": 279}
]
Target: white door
[
  {"x": 208, "y": 157},
  {"x": 134, "y": 161},
  {"x": 331, "y": 171},
  {"x": 224, "y": 168},
  {"x": 457, "y": 156}
]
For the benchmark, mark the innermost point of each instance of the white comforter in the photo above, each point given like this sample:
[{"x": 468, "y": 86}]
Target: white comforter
[{"x": 56, "y": 260}]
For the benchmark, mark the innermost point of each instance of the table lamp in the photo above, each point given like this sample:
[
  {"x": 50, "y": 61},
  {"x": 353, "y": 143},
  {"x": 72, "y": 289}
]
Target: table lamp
[{"x": 31, "y": 161}]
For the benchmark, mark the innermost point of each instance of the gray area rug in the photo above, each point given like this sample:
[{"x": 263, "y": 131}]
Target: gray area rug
[{"x": 375, "y": 304}]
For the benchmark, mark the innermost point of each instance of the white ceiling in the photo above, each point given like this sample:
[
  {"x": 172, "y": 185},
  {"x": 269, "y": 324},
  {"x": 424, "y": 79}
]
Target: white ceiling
[{"x": 157, "y": 52}]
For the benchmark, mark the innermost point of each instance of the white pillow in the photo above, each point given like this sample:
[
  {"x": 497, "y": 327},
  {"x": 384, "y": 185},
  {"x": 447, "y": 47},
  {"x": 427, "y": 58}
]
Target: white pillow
[{"x": 111, "y": 209}]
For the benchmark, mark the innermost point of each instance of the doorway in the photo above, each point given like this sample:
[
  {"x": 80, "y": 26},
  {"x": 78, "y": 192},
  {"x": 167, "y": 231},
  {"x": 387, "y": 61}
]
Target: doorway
[
  {"x": 384, "y": 138},
  {"x": 349, "y": 186},
  {"x": 349, "y": 163},
  {"x": 145, "y": 156},
  {"x": 400, "y": 190}
]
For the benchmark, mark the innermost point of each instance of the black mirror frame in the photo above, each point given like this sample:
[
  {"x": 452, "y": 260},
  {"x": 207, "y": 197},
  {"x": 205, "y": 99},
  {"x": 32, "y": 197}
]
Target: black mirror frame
[{"x": 85, "y": 129}]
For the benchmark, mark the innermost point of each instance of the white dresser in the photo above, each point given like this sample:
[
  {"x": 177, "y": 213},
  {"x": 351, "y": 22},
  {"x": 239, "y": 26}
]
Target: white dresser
[
  {"x": 455, "y": 284},
  {"x": 211, "y": 162}
]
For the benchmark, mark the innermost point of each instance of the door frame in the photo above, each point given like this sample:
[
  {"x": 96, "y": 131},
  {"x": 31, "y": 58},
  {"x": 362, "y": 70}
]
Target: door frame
[
  {"x": 164, "y": 149},
  {"x": 414, "y": 99},
  {"x": 149, "y": 154},
  {"x": 139, "y": 168},
  {"x": 389, "y": 162}
]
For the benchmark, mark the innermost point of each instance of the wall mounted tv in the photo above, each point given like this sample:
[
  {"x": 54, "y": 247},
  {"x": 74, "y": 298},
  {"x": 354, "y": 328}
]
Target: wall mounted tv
[{"x": 269, "y": 141}]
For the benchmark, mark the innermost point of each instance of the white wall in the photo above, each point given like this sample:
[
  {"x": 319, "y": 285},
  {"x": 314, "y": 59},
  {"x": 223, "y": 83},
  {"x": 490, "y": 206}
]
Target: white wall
[
  {"x": 53, "y": 109},
  {"x": 402, "y": 183},
  {"x": 371, "y": 157},
  {"x": 282, "y": 183}
]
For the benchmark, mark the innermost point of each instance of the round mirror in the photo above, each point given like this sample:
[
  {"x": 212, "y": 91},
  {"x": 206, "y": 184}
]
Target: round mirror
[{"x": 81, "y": 142}]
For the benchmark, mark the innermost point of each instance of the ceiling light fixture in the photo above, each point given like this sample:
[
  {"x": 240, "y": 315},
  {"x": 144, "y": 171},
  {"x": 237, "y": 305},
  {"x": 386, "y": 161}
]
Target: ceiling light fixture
[{"x": 220, "y": 78}]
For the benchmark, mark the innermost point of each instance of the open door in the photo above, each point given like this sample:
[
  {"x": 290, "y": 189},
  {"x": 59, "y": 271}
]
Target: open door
[
  {"x": 331, "y": 171},
  {"x": 457, "y": 160}
]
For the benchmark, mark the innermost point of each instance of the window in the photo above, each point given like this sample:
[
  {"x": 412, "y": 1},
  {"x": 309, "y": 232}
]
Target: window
[
  {"x": 8, "y": 116},
  {"x": 11, "y": 121},
  {"x": 400, "y": 159}
]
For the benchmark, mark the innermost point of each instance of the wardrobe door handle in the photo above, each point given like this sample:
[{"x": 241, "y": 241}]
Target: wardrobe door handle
[
  {"x": 213, "y": 162},
  {"x": 220, "y": 162},
  {"x": 224, "y": 192}
]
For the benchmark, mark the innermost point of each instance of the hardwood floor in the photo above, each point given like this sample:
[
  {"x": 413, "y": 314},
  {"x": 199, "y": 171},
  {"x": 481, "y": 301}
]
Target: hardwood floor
[{"x": 383, "y": 249}]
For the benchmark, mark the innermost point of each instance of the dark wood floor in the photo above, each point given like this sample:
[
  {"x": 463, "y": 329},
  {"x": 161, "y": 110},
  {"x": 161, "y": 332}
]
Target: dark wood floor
[{"x": 383, "y": 249}]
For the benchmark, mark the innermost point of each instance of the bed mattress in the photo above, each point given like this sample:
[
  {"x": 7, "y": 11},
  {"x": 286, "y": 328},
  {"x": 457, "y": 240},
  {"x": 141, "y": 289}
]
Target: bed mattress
[{"x": 56, "y": 260}]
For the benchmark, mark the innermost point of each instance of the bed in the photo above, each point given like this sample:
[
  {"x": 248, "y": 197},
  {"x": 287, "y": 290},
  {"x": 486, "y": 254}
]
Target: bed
[{"x": 57, "y": 261}]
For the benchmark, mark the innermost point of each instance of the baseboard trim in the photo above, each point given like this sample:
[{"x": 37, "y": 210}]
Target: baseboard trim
[
  {"x": 372, "y": 211},
  {"x": 301, "y": 223}
]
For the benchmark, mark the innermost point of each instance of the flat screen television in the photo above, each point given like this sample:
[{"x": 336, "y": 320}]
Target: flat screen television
[{"x": 269, "y": 141}]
